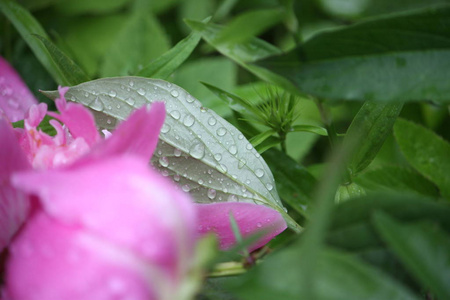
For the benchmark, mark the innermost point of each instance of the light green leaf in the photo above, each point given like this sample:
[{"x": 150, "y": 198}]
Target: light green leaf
[
  {"x": 423, "y": 248},
  {"x": 140, "y": 40},
  {"x": 397, "y": 57},
  {"x": 74, "y": 7},
  {"x": 244, "y": 53},
  {"x": 249, "y": 24},
  {"x": 167, "y": 63},
  {"x": 258, "y": 139},
  {"x": 27, "y": 25},
  {"x": 72, "y": 73},
  {"x": 426, "y": 152},
  {"x": 199, "y": 150},
  {"x": 371, "y": 126},
  {"x": 310, "y": 128}
]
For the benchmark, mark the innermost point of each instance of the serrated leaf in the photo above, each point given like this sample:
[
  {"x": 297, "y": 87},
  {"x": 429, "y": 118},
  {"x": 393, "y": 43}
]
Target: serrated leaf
[
  {"x": 27, "y": 25},
  {"x": 244, "y": 53},
  {"x": 426, "y": 152},
  {"x": 199, "y": 150},
  {"x": 167, "y": 63},
  {"x": 371, "y": 126},
  {"x": 72, "y": 73},
  {"x": 423, "y": 248}
]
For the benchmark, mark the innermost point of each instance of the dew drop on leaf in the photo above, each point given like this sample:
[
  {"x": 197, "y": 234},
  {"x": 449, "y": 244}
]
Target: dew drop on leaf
[
  {"x": 164, "y": 161},
  {"x": 197, "y": 151},
  {"x": 221, "y": 131},
  {"x": 174, "y": 93},
  {"x": 175, "y": 114},
  {"x": 188, "y": 120},
  {"x": 141, "y": 91},
  {"x": 259, "y": 173},
  {"x": 212, "y": 193}
]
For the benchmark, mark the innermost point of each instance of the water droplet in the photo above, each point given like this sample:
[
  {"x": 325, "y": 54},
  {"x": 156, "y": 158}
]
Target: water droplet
[
  {"x": 118, "y": 105},
  {"x": 212, "y": 121},
  {"x": 169, "y": 84},
  {"x": 233, "y": 198},
  {"x": 209, "y": 171},
  {"x": 233, "y": 149},
  {"x": 212, "y": 193},
  {"x": 186, "y": 188},
  {"x": 189, "y": 99},
  {"x": 174, "y": 93},
  {"x": 131, "y": 83},
  {"x": 86, "y": 94},
  {"x": 177, "y": 152},
  {"x": 197, "y": 151},
  {"x": 200, "y": 181},
  {"x": 165, "y": 173},
  {"x": 203, "y": 109},
  {"x": 259, "y": 173},
  {"x": 269, "y": 186},
  {"x": 165, "y": 128},
  {"x": 221, "y": 131},
  {"x": 112, "y": 93},
  {"x": 164, "y": 161},
  {"x": 241, "y": 137},
  {"x": 175, "y": 114},
  {"x": 97, "y": 104},
  {"x": 176, "y": 177},
  {"x": 217, "y": 157},
  {"x": 141, "y": 91},
  {"x": 241, "y": 163},
  {"x": 259, "y": 225},
  {"x": 188, "y": 120},
  {"x": 222, "y": 168},
  {"x": 249, "y": 146},
  {"x": 247, "y": 182},
  {"x": 130, "y": 101},
  {"x": 108, "y": 121}
]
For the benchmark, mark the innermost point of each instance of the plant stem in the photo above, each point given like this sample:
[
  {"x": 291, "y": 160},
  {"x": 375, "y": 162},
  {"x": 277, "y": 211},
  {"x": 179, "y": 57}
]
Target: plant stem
[{"x": 227, "y": 269}]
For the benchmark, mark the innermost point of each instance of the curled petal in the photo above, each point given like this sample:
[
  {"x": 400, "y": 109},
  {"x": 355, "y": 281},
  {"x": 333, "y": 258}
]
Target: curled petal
[
  {"x": 251, "y": 219},
  {"x": 77, "y": 118},
  {"x": 14, "y": 204},
  {"x": 15, "y": 97}
]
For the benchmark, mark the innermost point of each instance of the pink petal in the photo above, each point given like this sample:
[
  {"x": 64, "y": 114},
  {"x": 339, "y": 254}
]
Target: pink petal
[
  {"x": 77, "y": 118},
  {"x": 14, "y": 204},
  {"x": 137, "y": 135},
  {"x": 49, "y": 260},
  {"x": 15, "y": 97},
  {"x": 122, "y": 201},
  {"x": 251, "y": 218}
]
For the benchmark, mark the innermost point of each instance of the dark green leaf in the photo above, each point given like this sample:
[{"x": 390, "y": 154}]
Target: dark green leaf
[
  {"x": 424, "y": 249},
  {"x": 27, "y": 25},
  {"x": 167, "y": 63},
  {"x": 399, "y": 57},
  {"x": 426, "y": 152},
  {"x": 294, "y": 183},
  {"x": 371, "y": 126},
  {"x": 396, "y": 178},
  {"x": 71, "y": 72},
  {"x": 73, "y": 7}
]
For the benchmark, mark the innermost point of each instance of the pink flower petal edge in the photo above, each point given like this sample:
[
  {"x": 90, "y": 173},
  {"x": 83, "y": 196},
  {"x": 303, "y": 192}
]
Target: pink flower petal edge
[
  {"x": 14, "y": 204},
  {"x": 15, "y": 97},
  {"x": 251, "y": 219}
]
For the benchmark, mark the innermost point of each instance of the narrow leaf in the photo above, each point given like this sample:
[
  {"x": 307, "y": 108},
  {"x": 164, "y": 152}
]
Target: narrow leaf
[
  {"x": 397, "y": 57},
  {"x": 72, "y": 73},
  {"x": 27, "y": 25},
  {"x": 426, "y": 152},
  {"x": 371, "y": 126},
  {"x": 310, "y": 128},
  {"x": 258, "y": 139},
  {"x": 167, "y": 63},
  {"x": 424, "y": 249},
  {"x": 204, "y": 154}
]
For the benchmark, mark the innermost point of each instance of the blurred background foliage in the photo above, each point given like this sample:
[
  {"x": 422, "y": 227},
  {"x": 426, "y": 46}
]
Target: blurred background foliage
[{"x": 108, "y": 38}]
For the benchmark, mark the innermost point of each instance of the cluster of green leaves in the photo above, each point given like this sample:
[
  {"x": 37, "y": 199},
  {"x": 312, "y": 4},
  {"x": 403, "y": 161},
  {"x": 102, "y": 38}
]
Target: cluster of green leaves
[{"x": 360, "y": 86}]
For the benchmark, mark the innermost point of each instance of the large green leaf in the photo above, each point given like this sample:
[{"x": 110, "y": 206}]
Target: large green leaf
[
  {"x": 71, "y": 72},
  {"x": 243, "y": 53},
  {"x": 339, "y": 277},
  {"x": 167, "y": 63},
  {"x": 423, "y": 248},
  {"x": 371, "y": 126},
  {"x": 204, "y": 154},
  {"x": 426, "y": 152},
  {"x": 141, "y": 40},
  {"x": 27, "y": 25},
  {"x": 400, "y": 57}
]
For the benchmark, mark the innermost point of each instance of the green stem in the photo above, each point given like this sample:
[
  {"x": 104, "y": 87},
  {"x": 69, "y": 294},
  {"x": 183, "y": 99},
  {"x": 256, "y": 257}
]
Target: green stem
[
  {"x": 227, "y": 269},
  {"x": 282, "y": 136}
]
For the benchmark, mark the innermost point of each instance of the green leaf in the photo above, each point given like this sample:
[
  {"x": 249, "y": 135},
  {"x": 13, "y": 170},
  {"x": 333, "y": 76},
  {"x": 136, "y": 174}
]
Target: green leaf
[
  {"x": 371, "y": 126},
  {"x": 244, "y": 53},
  {"x": 72, "y": 7},
  {"x": 426, "y": 152},
  {"x": 396, "y": 178},
  {"x": 294, "y": 183},
  {"x": 397, "y": 57},
  {"x": 424, "y": 249},
  {"x": 199, "y": 150},
  {"x": 141, "y": 40},
  {"x": 27, "y": 25},
  {"x": 258, "y": 139},
  {"x": 71, "y": 72},
  {"x": 339, "y": 276},
  {"x": 310, "y": 128},
  {"x": 249, "y": 24},
  {"x": 234, "y": 102},
  {"x": 167, "y": 63}
]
